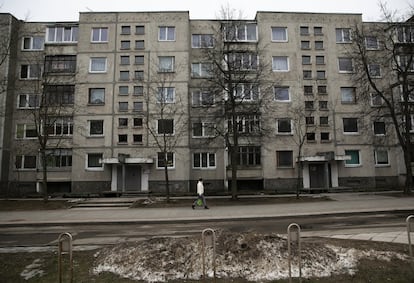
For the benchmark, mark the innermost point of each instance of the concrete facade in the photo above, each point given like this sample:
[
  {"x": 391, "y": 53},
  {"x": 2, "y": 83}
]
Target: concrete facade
[{"x": 104, "y": 138}]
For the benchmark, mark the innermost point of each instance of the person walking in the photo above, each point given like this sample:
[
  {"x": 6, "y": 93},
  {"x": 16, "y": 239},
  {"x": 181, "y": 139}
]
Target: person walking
[{"x": 200, "y": 194}]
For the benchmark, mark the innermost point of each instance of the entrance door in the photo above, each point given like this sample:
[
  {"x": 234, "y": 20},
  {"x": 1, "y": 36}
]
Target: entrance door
[
  {"x": 132, "y": 178},
  {"x": 317, "y": 175}
]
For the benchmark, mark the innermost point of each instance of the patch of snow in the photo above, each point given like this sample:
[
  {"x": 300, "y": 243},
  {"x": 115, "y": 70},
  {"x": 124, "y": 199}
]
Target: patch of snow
[
  {"x": 251, "y": 256},
  {"x": 33, "y": 270}
]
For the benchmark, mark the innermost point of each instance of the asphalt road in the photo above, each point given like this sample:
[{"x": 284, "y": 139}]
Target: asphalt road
[{"x": 24, "y": 237}]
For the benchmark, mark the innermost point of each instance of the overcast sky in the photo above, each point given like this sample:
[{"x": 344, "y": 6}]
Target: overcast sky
[{"x": 58, "y": 10}]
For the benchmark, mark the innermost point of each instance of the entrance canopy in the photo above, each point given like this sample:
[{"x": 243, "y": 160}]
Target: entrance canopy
[
  {"x": 128, "y": 160},
  {"x": 324, "y": 156}
]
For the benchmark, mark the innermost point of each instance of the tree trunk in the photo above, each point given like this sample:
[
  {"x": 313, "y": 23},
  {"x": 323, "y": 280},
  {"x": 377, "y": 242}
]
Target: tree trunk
[
  {"x": 44, "y": 175},
  {"x": 233, "y": 154},
  {"x": 409, "y": 173},
  {"x": 167, "y": 181}
]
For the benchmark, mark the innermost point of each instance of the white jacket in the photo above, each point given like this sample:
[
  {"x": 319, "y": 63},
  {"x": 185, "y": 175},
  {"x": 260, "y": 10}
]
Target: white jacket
[{"x": 200, "y": 188}]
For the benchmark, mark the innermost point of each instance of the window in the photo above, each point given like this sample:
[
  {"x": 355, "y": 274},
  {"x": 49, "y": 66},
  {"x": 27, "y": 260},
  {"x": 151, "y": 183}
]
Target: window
[
  {"x": 323, "y": 105},
  {"x": 62, "y": 34},
  {"x": 139, "y": 44},
  {"x": 249, "y": 156},
  {"x": 122, "y": 122},
  {"x": 381, "y": 157},
  {"x": 200, "y": 70},
  {"x": 137, "y": 138},
  {"x": 324, "y": 121},
  {"x": 284, "y": 159},
  {"x": 33, "y": 43},
  {"x": 405, "y": 34},
  {"x": 166, "y": 33},
  {"x": 59, "y": 158},
  {"x": 350, "y": 125},
  {"x": 348, "y": 95},
  {"x": 202, "y": 41},
  {"x": 165, "y": 159},
  {"x": 96, "y": 127},
  {"x": 138, "y": 90},
  {"x": 125, "y": 44},
  {"x": 124, "y": 75},
  {"x": 99, "y": 35},
  {"x": 310, "y": 137},
  {"x": 166, "y": 95},
  {"x": 94, "y": 161},
  {"x": 319, "y": 45},
  {"x": 305, "y": 44},
  {"x": 280, "y": 64},
  {"x": 28, "y": 101},
  {"x": 26, "y": 131},
  {"x": 279, "y": 34},
  {"x": 246, "y": 124},
  {"x": 322, "y": 89},
  {"x": 59, "y": 95},
  {"x": 405, "y": 63},
  {"x": 139, "y": 60},
  {"x": 60, "y": 126},
  {"x": 202, "y": 98},
  {"x": 325, "y": 137},
  {"x": 345, "y": 65},
  {"x": 282, "y": 93},
  {"x": 139, "y": 30},
  {"x": 124, "y": 60},
  {"x": 374, "y": 70},
  {"x": 60, "y": 64},
  {"x": 379, "y": 128},
  {"x": 166, "y": 64},
  {"x": 309, "y": 105},
  {"x": 241, "y": 32},
  {"x": 371, "y": 43},
  {"x": 376, "y": 100},
  {"x": 125, "y": 30},
  {"x": 284, "y": 126},
  {"x": 246, "y": 92},
  {"x": 244, "y": 61},
  {"x": 26, "y": 162},
  {"x": 203, "y": 129},
  {"x": 204, "y": 160},
  {"x": 304, "y": 30},
  {"x": 97, "y": 65},
  {"x": 123, "y": 106},
  {"x": 355, "y": 158},
  {"x": 320, "y": 60},
  {"x": 137, "y": 122},
  {"x": 139, "y": 75},
  {"x": 343, "y": 35},
  {"x": 310, "y": 120},
  {"x": 307, "y": 74},
  {"x": 30, "y": 71},
  {"x": 306, "y": 60},
  {"x": 138, "y": 106},
  {"x": 165, "y": 126},
  {"x": 317, "y": 31},
  {"x": 123, "y": 139},
  {"x": 308, "y": 90},
  {"x": 123, "y": 90}
]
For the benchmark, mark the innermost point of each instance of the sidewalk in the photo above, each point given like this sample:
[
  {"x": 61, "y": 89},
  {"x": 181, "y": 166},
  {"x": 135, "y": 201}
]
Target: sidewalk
[{"x": 342, "y": 203}]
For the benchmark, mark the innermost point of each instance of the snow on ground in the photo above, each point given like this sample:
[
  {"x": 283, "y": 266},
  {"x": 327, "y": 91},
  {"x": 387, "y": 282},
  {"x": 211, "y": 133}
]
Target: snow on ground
[
  {"x": 33, "y": 270},
  {"x": 251, "y": 256}
]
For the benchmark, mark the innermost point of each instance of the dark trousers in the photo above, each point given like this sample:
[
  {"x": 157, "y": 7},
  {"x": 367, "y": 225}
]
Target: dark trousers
[{"x": 203, "y": 199}]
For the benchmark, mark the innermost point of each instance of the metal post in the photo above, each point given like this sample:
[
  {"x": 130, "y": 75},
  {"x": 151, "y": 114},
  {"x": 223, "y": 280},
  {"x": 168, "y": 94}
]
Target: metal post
[
  {"x": 410, "y": 228},
  {"x": 208, "y": 237},
  {"x": 65, "y": 247},
  {"x": 295, "y": 237}
]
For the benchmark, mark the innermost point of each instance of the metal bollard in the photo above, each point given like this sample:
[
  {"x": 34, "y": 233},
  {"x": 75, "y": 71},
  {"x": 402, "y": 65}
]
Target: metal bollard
[
  {"x": 410, "y": 228},
  {"x": 65, "y": 247},
  {"x": 295, "y": 237},
  {"x": 208, "y": 237}
]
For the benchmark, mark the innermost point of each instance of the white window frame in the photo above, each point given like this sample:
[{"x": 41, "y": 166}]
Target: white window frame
[
  {"x": 206, "y": 127},
  {"x": 276, "y": 89},
  {"x": 203, "y": 41},
  {"x": 377, "y": 164},
  {"x": 373, "y": 98},
  {"x": 33, "y": 46},
  {"x": 246, "y": 92},
  {"x": 290, "y": 152},
  {"x": 201, "y": 70},
  {"x": 62, "y": 123},
  {"x": 274, "y": 64},
  {"x": 97, "y": 101},
  {"x": 345, "y": 71},
  {"x": 94, "y": 168},
  {"x": 343, "y": 35},
  {"x": 96, "y": 135},
  {"x": 98, "y": 60},
  {"x": 348, "y": 92},
  {"x": 59, "y": 37},
  {"x": 101, "y": 35},
  {"x": 166, "y": 95},
  {"x": 368, "y": 40},
  {"x": 28, "y": 98},
  {"x": 164, "y": 32},
  {"x": 168, "y": 167},
  {"x": 210, "y": 156},
  {"x": 379, "y": 134},
  {"x": 22, "y": 162},
  {"x": 166, "y": 64},
  {"x": 350, "y": 133},
  {"x": 199, "y": 95},
  {"x": 285, "y": 37},
  {"x": 30, "y": 71},
  {"x": 353, "y": 164},
  {"x": 240, "y": 32},
  {"x": 24, "y": 128},
  {"x": 374, "y": 67}
]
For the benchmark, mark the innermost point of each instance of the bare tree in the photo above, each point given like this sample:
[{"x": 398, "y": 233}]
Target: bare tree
[{"x": 384, "y": 64}]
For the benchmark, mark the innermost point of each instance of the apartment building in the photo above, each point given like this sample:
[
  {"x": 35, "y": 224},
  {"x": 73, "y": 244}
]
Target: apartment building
[{"x": 131, "y": 92}]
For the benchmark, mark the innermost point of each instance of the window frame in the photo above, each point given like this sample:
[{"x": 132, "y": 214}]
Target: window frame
[
  {"x": 100, "y": 61},
  {"x": 210, "y": 157},
  {"x": 348, "y": 162},
  {"x": 343, "y": 35},
  {"x": 285, "y": 35},
  {"x": 102, "y": 37},
  {"x": 274, "y": 63},
  {"x": 168, "y": 133},
  {"x": 289, "y": 165},
  {"x": 349, "y": 129},
  {"x": 170, "y": 160},
  {"x": 32, "y": 43},
  {"x": 379, "y": 163},
  {"x": 164, "y": 33},
  {"x": 92, "y": 129},
  {"x": 92, "y": 167},
  {"x": 285, "y": 133},
  {"x": 277, "y": 90}
]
